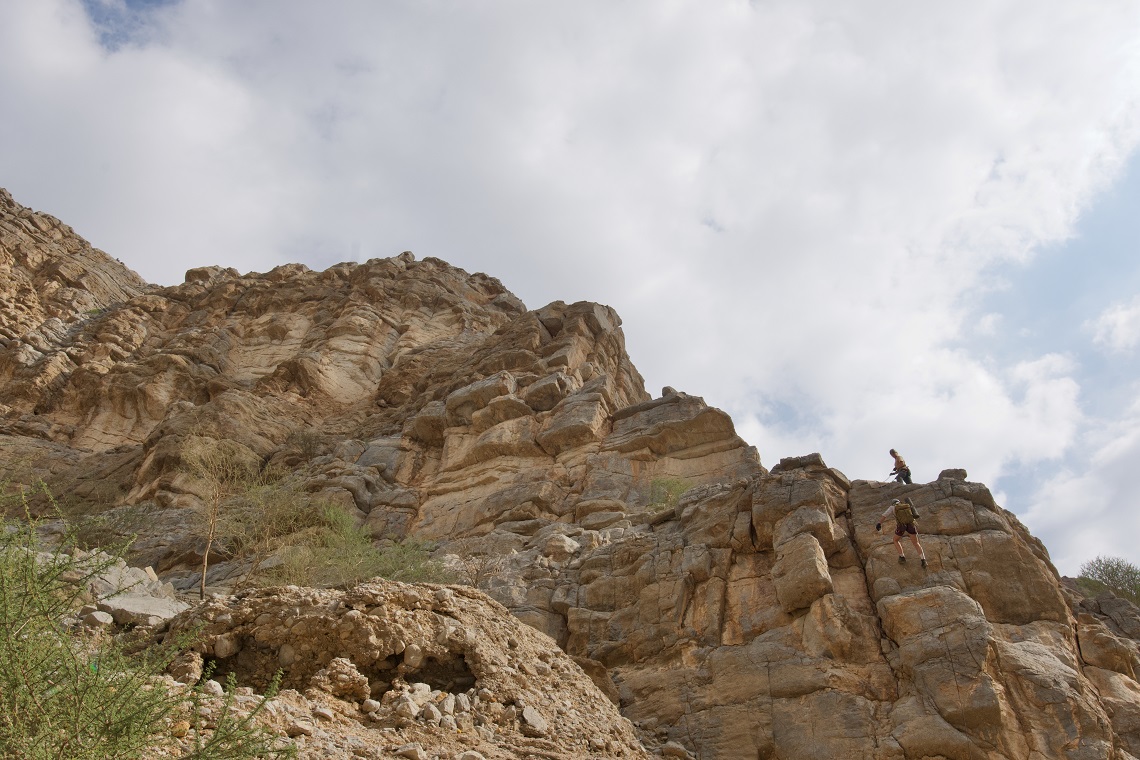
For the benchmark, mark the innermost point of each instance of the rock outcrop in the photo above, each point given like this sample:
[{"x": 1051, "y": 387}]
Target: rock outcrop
[
  {"x": 728, "y": 611},
  {"x": 51, "y": 279},
  {"x": 447, "y": 667}
]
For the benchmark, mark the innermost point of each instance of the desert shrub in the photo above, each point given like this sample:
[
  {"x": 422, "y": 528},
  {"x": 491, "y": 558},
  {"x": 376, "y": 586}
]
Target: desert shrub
[
  {"x": 24, "y": 493},
  {"x": 46, "y": 495},
  {"x": 306, "y": 441},
  {"x": 478, "y": 569},
  {"x": 1113, "y": 573},
  {"x": 108, "y": 529},
  {"x": 272, "y": 514},
  {"x": 271, "y": 509},
  {"x": 88, "y": 495},
  {"x": 339, "y": 553},
  {"x": 411, "y": 562},
  {"x": 111, "y": 530},
  {"x": 665, "y": 492},
  {"x": 82, "y": 697}
]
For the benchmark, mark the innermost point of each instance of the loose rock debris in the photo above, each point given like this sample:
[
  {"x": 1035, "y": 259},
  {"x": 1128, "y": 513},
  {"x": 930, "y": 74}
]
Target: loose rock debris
[{"x": 388, "y": 669}]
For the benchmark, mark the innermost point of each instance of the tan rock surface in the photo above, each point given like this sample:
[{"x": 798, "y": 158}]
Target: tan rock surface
[{"x": 50, "y": 279}]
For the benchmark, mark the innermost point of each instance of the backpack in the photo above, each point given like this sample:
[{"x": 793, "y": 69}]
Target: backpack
[{"x": 904, "y": 513}]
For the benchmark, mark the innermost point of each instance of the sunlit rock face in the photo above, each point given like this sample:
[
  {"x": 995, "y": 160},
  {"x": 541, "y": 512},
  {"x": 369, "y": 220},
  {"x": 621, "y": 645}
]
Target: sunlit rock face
[{"x": 735, "y": 611}]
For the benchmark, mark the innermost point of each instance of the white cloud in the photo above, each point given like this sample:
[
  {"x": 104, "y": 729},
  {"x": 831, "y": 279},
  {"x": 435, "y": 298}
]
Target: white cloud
[
  {"x": 793, "y": 205},
  {"x": 947, "y": 411},
  {"x": 1117, "y": 328},
  {"x": 988, "y": 324}
]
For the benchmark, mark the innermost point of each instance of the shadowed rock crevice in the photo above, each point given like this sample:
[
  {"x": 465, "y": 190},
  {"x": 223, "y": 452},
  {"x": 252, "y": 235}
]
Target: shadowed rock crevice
[
  {"x": 448, "y": 675},
  {"x": 862, "y": 563}
]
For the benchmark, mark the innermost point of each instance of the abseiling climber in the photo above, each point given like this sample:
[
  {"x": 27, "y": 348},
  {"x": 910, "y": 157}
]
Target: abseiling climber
[{"x": 905, "y": 516}]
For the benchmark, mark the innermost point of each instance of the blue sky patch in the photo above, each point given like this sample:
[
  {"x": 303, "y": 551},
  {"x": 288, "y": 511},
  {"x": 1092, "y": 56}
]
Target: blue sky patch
[
  {"x": 1050, "y": 301},
  {"x": 122, "y": 22}
]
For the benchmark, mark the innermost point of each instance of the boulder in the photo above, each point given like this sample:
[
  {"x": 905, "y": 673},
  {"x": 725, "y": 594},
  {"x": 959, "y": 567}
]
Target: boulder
[
  {"x": 800, "y": 573},
  {"x": 340, "y": 678},
  {"x": 548, "y": 392},
  {"x": 462, "y": 403},
  {"x": 138, "y": 609},
  {"x": 946, "y": 647},
  {"x": 577, "y": 422}
]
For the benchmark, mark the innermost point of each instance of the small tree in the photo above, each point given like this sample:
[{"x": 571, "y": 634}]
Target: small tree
[
  {"x": 269, "y": 516},
  {"x": 478, "y": 569},
  {"x": 1118, "y": 575},
  {"x": 224, "y": 469}
]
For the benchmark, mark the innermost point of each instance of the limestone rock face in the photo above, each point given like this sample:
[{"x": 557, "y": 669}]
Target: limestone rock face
[
  {"x": 729, "y": 611},
  {"x": 51, "y": 279}
]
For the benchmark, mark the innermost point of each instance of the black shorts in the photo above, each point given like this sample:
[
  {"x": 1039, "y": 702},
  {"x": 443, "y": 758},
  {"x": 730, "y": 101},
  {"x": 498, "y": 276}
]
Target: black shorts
[{"x": 901, "y": 529}]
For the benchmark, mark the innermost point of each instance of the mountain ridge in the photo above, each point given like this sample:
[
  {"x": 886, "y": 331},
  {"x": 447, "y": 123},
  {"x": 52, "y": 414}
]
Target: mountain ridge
[{"x": 734, "y": 610}]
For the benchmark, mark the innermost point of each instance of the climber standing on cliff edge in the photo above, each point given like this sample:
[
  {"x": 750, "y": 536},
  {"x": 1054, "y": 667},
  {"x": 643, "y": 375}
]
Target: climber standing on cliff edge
[
  {"x": 905, "y": 515},
  {"x": 901, "y": 471}
]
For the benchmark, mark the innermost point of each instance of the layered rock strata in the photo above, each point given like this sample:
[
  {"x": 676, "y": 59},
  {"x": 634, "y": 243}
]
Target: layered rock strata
[{"x": 51, "y": 279}]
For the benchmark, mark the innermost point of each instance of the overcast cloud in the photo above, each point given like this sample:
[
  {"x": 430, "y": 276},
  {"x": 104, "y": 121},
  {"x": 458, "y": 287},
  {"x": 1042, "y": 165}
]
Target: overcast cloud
[
  {"x": 1117, "y": 328},
  {"x": 814, "y": 214}
]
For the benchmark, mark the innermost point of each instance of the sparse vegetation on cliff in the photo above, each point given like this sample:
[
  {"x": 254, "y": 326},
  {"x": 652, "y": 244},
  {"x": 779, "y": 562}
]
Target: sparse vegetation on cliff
[
  {"x": 339, "y": 553},
  {"x": 261, "y": 513},
  {"x": 665, "y": 492}
]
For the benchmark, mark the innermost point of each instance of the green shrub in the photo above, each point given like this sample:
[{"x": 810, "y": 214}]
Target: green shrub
[
  {"x": 234, "y": 735},
  {"x": 269, "y": 516},
  {"x": 84, "y": 697},
  {"x": 111, "y": 530},
  {"x": 338, "y": 553},
  {"x": 664, "y": 493},
  {"x": 410, "y": 562},
  {"x": 1117, "y": 575},
  {"x": 92, "y": 506},
  {"x": 23, "y": 493}
]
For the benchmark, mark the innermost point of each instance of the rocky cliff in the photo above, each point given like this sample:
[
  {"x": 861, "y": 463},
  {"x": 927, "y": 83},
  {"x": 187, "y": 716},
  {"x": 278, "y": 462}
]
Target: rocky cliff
[{"x": 735, "y": 611}]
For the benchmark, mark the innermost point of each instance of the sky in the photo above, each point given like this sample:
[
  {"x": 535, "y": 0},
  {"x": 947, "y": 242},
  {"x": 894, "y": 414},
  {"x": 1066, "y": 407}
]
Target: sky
[{"x": 852, "y": 226}]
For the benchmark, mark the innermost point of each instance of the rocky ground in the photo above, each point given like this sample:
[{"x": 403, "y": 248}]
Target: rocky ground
[
  {"x": 381, "y": 670},
  {"x": 384, "y": 665}
]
